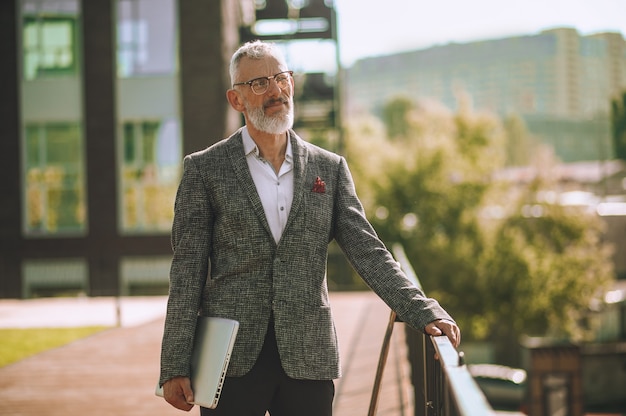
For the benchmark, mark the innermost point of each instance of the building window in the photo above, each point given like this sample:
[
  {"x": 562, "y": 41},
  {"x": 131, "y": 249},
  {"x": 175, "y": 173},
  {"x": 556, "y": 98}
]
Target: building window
[
  {"x": 145, "y": 275},
  {"x": 150, "y": 172},
  {"x": 49, "y": 46},
  {"x": 54, "y": 179},
  {"x": 54, "y": 277},
  {"x": 146, "y": 37}
]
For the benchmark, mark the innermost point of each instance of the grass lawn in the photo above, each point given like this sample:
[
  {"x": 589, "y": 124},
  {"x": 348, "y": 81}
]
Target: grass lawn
[{"x": 16, "y": 344}]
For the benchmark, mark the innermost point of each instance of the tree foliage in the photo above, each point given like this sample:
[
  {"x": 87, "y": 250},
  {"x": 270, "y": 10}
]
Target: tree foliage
[
  {"x": 618, "y": 121},
  {"x": 519, "y": 144},
  {"x": 395, "y": 117},
  {"x": 503, "y": 259}
]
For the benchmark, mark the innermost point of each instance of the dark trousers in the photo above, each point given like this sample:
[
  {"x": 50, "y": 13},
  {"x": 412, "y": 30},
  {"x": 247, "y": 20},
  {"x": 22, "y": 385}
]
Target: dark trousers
[{"x": 267, "y": 388}]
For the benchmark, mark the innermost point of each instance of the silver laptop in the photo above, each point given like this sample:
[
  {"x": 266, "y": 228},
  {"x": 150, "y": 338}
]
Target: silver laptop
[{"x": 212, "y": 347}]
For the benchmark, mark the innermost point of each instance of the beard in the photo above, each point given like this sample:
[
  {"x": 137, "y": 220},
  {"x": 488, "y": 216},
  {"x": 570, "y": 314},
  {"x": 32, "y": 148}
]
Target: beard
[{"x": 275, "y": 124}]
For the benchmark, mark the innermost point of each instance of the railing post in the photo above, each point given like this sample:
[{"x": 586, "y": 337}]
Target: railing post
[
  {"x": 442, "y": 386},
  {"x": 434, "y": 380},
  {"x": 416, "y": 344},
  {"x": 381, "y": 365}
]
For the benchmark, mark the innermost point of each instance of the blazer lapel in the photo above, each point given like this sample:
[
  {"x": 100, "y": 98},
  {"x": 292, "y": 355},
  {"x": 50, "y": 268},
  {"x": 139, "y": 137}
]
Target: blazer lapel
[
  {"x": 299, "y": 175},
  {"x": 242, "y": 172}
]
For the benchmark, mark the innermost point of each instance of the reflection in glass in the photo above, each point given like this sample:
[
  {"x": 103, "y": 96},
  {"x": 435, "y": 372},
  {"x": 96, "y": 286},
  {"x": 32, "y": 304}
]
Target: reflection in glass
[
  {"x": 146, "y": 37},
  {"x": 54, "y": 179},
  {"x": 150, "y": 174},
  {"x": 49, "y": 38}
]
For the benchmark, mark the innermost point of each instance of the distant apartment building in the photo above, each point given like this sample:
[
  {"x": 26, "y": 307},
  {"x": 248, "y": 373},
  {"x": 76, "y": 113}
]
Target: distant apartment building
[{"x": 560, "y": 82}]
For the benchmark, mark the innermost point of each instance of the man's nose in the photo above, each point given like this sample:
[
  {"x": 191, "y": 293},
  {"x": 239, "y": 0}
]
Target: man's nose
[{"x": 274, "y": 89}]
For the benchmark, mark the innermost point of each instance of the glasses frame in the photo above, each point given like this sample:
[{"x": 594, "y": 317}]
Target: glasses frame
[{"x": 249, "y": 83}]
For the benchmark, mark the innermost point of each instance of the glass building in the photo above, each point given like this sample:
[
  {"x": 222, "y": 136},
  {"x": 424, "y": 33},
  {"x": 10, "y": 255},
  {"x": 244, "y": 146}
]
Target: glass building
[{"x": 101, "y": 100}]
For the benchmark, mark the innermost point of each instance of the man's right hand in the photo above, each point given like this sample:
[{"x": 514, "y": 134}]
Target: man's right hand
[{"x": 177, "y": 392}]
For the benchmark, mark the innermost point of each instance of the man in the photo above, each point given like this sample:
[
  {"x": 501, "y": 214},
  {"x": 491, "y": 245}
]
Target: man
[{"x": 254, "y": 215}]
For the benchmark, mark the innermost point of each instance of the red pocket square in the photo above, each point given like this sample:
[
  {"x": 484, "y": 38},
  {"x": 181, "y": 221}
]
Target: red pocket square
[{"x": 319, "y": 186}]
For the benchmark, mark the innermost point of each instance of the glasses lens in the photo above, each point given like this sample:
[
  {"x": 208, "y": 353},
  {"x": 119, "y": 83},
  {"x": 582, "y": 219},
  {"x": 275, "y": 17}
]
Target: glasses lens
[
  {"x": 282, "y": 80},
  {"x": 259, "y": 86}
]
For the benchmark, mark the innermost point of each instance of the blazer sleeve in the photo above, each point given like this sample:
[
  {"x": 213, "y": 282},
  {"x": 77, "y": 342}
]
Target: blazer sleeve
[
  {"x": 373, "y": 261},
  {"x": 191, "y": 239}
]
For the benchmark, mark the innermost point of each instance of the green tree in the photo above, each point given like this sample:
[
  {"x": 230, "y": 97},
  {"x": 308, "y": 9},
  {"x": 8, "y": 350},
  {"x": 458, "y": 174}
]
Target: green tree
[
  {"x": 520, "y": 145},
  {"x": 544, "y": 266},
  {"x": 504, "y": 260},
  {"x": 395, "y": 115},
  {"x": 618, "y": 122}
]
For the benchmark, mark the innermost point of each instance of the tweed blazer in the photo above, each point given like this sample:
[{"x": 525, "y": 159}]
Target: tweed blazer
[{"x": 227, "y": 264}]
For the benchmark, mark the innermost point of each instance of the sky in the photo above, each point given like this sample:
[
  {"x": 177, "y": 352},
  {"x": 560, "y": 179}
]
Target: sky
[{"x": 370, "y": 28}]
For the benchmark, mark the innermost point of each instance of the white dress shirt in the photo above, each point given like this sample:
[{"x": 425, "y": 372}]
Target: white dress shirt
[{"x": 274, "y": 189}]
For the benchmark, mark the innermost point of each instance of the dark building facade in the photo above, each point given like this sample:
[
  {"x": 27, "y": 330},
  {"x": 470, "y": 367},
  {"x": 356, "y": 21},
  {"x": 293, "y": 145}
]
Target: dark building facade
[
  {"x": 101, "y": 98},
  {"x": 100, "y": 101}
]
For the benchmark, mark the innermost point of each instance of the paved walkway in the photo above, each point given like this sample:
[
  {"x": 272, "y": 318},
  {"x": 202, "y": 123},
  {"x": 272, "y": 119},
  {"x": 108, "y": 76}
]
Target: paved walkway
[{"x": 114, "y": 372}]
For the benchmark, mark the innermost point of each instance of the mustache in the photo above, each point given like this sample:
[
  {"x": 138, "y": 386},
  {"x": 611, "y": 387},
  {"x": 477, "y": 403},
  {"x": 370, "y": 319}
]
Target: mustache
[{"x": 279, "y": 100}]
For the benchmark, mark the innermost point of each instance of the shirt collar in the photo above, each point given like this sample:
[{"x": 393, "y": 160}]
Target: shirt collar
[{"x": 249, "y": 146}]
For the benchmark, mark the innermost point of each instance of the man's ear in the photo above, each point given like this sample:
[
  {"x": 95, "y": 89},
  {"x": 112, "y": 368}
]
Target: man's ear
[{"x": 235, "y": 99}]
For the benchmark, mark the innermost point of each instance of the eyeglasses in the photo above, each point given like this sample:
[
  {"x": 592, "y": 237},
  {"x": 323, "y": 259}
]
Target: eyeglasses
[{"x": 260, "y": 85}]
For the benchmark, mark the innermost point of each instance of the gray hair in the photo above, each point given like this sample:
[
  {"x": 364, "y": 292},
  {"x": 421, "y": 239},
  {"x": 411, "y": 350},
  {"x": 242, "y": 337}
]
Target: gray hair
[{"x": 253, "y": 50}]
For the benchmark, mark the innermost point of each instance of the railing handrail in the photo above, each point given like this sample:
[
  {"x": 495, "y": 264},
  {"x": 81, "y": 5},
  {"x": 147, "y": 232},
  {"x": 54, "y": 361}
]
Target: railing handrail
[
  {"x": 405, "y": 264},
  {"x": 461, "y": 395},
  {"x": 469, "y": 399}
]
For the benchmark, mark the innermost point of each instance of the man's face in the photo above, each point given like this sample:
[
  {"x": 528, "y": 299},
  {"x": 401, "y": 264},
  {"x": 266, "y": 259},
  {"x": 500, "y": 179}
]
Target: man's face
[{"x": 272, "y": 111}]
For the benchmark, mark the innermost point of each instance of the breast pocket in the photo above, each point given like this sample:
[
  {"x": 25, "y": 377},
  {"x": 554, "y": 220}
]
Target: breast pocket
[{"x": 318, "y": 213}]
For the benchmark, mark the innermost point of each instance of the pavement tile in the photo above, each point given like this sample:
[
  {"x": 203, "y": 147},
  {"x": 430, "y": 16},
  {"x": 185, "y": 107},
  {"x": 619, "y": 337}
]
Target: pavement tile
[{"x": 114, "y": 372}]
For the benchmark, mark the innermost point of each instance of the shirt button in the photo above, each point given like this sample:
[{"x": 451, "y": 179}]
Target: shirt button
[{"x": 282, "y": 208}]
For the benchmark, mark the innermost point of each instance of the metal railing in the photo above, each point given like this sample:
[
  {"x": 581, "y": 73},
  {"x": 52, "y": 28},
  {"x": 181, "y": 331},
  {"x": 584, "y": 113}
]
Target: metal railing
[{"x": 442, "y": 383}]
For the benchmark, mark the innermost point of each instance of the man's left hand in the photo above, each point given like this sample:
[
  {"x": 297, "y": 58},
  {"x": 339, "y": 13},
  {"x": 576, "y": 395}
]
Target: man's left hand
[{"x": 445, "y": 327}]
